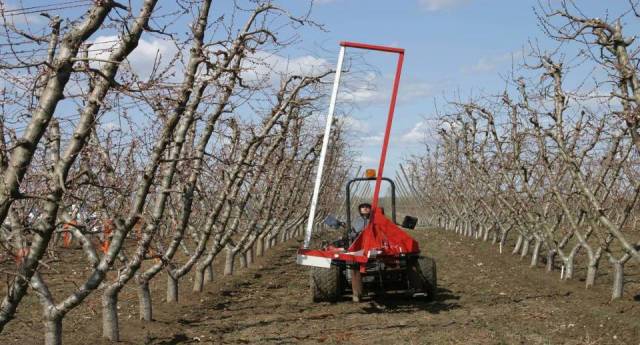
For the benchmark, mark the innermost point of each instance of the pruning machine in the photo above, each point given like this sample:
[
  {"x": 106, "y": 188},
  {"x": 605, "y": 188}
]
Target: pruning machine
[{"x": 387, "y": 257}]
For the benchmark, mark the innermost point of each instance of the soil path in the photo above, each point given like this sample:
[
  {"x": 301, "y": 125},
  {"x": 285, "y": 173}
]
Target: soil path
[{"x": 484, "y": 298}]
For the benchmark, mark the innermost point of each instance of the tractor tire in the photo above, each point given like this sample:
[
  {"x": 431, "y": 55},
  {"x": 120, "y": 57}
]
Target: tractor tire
[
  {"x": 325, "y": 284},
  {"x": 427, "y": 270}
]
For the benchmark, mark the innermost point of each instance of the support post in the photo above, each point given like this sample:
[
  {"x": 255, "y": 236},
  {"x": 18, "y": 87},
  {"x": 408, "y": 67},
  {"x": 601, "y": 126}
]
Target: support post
[{"x": 323, "y": 151}]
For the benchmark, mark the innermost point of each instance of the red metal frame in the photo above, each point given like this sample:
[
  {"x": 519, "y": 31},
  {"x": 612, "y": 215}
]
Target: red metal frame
[
  {"x": 371, "y": 47},
  {"x": 392, "y": 106},
  {"x": 381, "y": 235}
]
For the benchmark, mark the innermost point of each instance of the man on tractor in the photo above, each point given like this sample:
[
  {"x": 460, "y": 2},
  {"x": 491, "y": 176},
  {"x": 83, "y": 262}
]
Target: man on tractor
[{"x": 359, "y": 224}]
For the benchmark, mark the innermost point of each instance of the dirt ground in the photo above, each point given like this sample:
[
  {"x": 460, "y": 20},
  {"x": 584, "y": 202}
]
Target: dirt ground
[{"x": 484, "y": 298}]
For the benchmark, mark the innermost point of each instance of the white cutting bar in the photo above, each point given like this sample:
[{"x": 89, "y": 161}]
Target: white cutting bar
[
  {"x": 323, "y": 151},
  {"x": 315, "y": 261}
]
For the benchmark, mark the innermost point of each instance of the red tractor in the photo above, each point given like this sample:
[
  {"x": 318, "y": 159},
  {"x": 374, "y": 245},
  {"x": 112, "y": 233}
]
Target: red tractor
[{"x": 388, "y": 258}]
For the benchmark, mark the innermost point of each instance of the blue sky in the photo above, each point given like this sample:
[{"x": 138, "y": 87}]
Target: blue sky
[
  {"x": 454, "y": 48},
  {"x": 451, "y": 47}
]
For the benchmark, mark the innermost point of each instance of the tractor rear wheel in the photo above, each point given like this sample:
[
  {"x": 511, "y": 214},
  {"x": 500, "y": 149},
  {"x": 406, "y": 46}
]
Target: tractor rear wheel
[
  {"x": 325, "y": 284},
  {"x": 427, "y": 270}
]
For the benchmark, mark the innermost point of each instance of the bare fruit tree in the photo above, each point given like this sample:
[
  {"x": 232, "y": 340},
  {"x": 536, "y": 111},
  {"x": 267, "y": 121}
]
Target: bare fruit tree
[
  {"x": 550, "y": 161},
  {"x": 156, "y": 166}
]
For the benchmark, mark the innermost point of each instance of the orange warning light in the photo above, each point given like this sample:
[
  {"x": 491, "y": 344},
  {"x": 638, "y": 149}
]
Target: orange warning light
[{"x": 370, "y": 173}]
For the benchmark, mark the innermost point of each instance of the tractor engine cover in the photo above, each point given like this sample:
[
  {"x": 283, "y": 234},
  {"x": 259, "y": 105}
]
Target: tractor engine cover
[{"x": 383, "y": 237}]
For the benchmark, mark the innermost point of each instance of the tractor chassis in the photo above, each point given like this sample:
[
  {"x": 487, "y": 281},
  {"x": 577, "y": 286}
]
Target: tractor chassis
[
  {"x": 382, "y": 275},
  {"x": 407, "y": 274}
]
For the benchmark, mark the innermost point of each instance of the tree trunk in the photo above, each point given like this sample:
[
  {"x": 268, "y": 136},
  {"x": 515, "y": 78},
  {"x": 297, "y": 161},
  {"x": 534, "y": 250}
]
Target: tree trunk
[
  {"x": 551, "y": 258},
  {"x": 485, "y": 233},
  {"x": 198, "y": 279},
  {"x": 110, "y": 328},
  {"x": 249, "y": 255},
  {"x": 53, "y": 331},
  {"x": 229, "y": 262},
  {"x": 525, "y": 247},
  {"x": 243, "y": 261},
  {"x": 172, "y": 289},
  {"x": 203, "y": 269},
  {"x": 592, "y": 270},
  {"x": 267, "y": 244},
  {"x": 536, "y": 252},
  {"x": 503, "y": 240},
  {"x": 516, "y": 248},
  {"x": 208, "y": 273},
  {"x": 260, "y": 246},
  {"x": 570, "y": 262},
  {"x": 271, "y": 242},
  {"x": 144, "y": 301},
  {"x": 284, "y": 236},
  {"x": 568, "y": 267},
  {"x": 618, "y": 280}
]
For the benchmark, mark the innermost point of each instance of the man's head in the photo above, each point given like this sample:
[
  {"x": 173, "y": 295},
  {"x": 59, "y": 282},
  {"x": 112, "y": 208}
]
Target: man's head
[{"x": 364, "y": 209}]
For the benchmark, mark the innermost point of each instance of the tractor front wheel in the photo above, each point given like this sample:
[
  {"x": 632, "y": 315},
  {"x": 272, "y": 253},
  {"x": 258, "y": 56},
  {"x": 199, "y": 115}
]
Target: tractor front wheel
[
  {"x": 325, "y": 284},
  {"x": 427, "y": 269},
  {"x": 422, "y": 277}
]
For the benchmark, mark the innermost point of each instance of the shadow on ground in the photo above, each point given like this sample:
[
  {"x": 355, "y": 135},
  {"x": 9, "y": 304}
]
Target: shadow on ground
[{"x": 445, "y": 300}]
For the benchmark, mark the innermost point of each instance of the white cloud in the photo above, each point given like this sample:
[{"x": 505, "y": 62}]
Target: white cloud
[
  {"x": 437, "y": 5},
  {"x": 111, "y": 126},
  {"x": 363, "y": 95},
  {"x": 448, "y": 126},
  {"x": 352, "y": 124},
  {"x": 415, "y": 90},
  {"x": 373, "y": 139},
  {"x": 264, "y": 66},
  {"x": 378, "y": 90},
  {"x": 101, "y": 47},
  {"x": 492, "y": 63},
  {"x": 416, "y": 135},
  {"x": 356, "y": 88},
  {"x": 367, "y": 160},
  {"x": 427, "y": 131},
  {"x": 144, "y": 55},
  {"x": 142, "y": 59},
  {"x": 484, "y": 65},
  {"x": 360, "y": 131}
]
